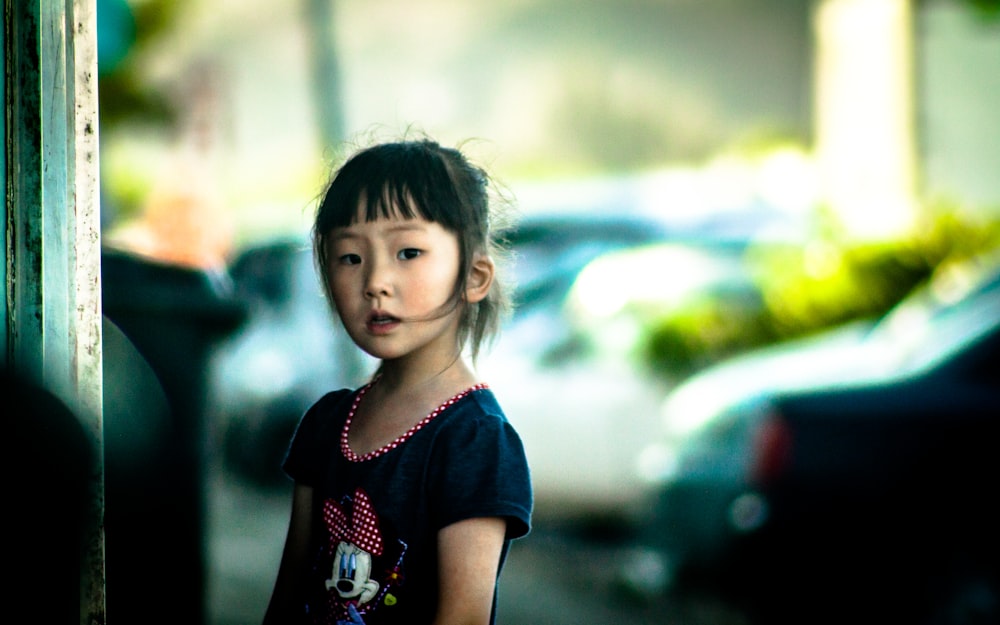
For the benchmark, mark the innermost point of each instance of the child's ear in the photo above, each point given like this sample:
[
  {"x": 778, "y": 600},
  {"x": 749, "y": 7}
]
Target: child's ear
[{"x": 480, "y": 280}]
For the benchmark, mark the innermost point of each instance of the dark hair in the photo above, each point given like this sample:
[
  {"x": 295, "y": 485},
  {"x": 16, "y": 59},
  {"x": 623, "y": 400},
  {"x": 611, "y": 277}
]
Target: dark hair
[{"x": 420, "y": 178}]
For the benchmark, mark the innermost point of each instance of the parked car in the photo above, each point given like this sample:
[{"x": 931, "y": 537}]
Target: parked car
[
  {"x": 703, "y": 290},
  {"x": 849, "y": 477}
]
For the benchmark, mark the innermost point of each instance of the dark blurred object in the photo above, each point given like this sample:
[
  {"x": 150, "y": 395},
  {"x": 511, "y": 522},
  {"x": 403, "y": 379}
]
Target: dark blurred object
[
  {"x": 50, "y": 461},
  {"x": 161, "y": 322},
  {"x": 858, "y": 474}
]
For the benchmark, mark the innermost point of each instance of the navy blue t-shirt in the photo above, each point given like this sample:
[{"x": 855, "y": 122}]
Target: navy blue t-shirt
[{"x": 378, "y": 515}]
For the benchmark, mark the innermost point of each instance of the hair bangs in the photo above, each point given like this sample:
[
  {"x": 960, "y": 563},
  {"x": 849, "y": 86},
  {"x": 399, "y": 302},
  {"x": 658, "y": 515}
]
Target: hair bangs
[{"x": 409, "y": 183}]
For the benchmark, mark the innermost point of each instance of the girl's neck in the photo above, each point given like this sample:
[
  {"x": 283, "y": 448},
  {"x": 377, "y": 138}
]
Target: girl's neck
[
  {"x": 399, "y": 398},
  {"x": 399, "y": 377}
]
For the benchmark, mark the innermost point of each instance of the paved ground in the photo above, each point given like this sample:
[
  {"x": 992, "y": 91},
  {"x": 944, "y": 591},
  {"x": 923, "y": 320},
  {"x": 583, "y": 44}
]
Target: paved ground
[
  {"x": 556, "y": 578},
  {"x": 552, "y": 577}
]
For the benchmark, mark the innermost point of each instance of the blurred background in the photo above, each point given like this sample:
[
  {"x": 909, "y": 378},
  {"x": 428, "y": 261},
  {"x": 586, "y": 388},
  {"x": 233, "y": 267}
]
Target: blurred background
[{"x": 697, "y": 185}]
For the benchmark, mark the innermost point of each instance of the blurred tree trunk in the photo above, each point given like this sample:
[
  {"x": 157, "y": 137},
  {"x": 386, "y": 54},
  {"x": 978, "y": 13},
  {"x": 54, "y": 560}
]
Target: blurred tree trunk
[{"x": 328, "y": 91}]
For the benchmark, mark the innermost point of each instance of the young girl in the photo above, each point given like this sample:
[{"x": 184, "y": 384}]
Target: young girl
[{"x": 409, "y": 489}]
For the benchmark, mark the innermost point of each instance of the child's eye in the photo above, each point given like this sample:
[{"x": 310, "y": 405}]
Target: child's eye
[
  {"x": 408, "y": 253},
  {"x": 350, "y": 259}
]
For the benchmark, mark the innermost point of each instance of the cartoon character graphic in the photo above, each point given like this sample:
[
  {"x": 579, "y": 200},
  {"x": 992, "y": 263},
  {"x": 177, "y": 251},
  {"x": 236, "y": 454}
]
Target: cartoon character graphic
[
  {"x": 352, "y": 574},
  {"x": 361, "y": 572}
]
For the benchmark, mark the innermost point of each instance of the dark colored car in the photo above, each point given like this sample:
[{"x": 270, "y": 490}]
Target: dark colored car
[{"x": 864, "y": 491}]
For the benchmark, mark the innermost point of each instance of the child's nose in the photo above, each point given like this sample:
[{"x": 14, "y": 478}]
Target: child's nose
[{"x": 378, "y": 280}]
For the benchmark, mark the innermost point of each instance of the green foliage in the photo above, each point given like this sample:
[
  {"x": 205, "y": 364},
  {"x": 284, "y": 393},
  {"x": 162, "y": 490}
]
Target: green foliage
[
  {"x": 821, "y": 285},
  {"x": 706, "y": 330},
  {"x": 805, "y": 289},
  {"x": 127, "y": 93},
  {"x": 987, "y": 10}
]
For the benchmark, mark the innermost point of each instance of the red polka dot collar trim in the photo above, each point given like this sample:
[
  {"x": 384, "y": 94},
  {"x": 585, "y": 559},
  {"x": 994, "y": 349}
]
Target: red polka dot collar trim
[{"x": 345, "y": 447}]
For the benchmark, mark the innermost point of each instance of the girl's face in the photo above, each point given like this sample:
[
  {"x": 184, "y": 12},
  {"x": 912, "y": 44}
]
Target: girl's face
[{"x": 392, "y": 282}]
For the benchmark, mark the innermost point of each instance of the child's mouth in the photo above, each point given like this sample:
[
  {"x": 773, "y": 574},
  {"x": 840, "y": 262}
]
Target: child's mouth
[{"x": 378, "y": 323}]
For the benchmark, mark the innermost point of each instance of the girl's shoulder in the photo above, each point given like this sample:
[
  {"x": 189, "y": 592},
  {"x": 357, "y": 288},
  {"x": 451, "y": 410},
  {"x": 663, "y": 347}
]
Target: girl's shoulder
[
  {"x": 332, "y": 403},
  {"x": 328, "y": 412},
  {"x": 332, "y": 399},
  {"x": 485, "y": 401},
  {"x": 475, "y": 400},
  {"x": 477, "y": 412}
]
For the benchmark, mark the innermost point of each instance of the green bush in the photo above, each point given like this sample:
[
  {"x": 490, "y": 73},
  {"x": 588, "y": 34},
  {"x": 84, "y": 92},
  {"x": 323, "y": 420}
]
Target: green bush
[{"x": 804, "y": 289}]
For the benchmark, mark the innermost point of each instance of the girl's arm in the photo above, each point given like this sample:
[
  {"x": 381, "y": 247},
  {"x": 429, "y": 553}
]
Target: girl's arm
[
  {"x": 282, "y": 606},
  {"x": 469, "y": 554}
]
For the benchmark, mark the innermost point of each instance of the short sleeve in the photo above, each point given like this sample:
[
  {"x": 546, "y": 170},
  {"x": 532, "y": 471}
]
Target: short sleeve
[{"x": 480, "y": 470}]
